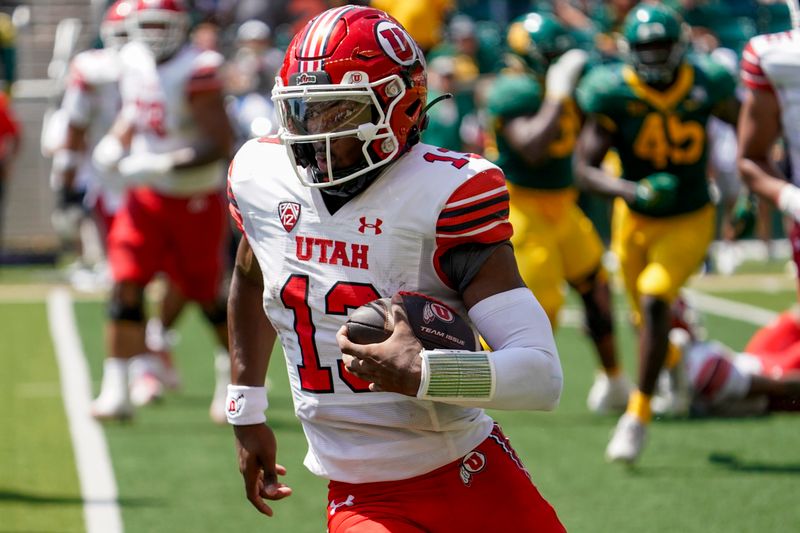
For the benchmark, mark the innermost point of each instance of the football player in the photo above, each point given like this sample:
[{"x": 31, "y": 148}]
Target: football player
[
  {"x": 88, "y": 108},
  {"x": 725, "y": 383},
  {"x": 90, "y": 104},
  {"x": 770, "y": 73},
  {"x": 169, "y": 145},
  {"x": 536, "y": 122},
  {"x": 653, "y": 109},
  {"x": 344, "y": 206}
]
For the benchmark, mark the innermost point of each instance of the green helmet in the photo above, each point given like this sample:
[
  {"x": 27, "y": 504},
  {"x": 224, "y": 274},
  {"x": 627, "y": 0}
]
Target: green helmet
[
  {"x": 538, "y": 40},
  {"x": 655, "y": 42}
]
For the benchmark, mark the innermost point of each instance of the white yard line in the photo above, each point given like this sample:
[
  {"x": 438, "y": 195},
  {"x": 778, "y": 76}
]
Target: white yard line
[
  {"x": 750, "y": 314},
  {"x": 98, "y": 487},
  {"x": 730, "y": 308}
]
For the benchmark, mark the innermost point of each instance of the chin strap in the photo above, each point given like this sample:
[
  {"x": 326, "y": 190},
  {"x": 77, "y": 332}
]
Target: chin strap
[
  {"x": 445, "y": 96},
  {"x": 422, "y": 122}
]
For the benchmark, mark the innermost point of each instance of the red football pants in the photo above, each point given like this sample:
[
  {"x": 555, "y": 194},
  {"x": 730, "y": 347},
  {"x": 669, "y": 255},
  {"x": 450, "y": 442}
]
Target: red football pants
[
  {"x": 486, "y": 490},
  {"x": 183, "y": 237}
]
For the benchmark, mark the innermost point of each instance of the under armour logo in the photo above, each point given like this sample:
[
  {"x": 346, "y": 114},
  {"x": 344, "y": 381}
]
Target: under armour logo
[
  {"x": 335, "y": 506},
  {"x": 376, "y": 227}
]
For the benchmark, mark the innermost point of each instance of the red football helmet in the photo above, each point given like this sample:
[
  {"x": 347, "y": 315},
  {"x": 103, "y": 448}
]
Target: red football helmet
[
  {"x": 352, "y": 72},
  {"x": 113, "y": 31},
  {"x": 160, "y": 24}
]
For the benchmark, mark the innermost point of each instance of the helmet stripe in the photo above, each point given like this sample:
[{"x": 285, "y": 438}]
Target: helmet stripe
[
  {"x": 305, "y": 47},
  {"x": 318, "y": 35}
]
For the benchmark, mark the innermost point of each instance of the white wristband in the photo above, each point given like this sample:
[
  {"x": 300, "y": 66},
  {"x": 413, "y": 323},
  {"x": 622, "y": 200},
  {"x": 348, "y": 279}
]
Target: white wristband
[
  {"x": 789, "y": 200},
  {"x": 245, "y": 405},
  {"x": 456, "y": 375}
]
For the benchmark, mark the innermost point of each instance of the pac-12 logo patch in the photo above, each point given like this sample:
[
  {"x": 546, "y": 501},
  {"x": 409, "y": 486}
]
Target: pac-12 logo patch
[
  {"x": 396, "y": 42},
  {"x": 471, "y": 464},
  {"x": 289, "y": 213}
]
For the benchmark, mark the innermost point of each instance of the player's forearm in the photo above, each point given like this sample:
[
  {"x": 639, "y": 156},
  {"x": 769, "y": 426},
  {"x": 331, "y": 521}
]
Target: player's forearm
[
  {"x": 762, "y": 177},
  {"x": 199, "y": 153},
  {"x": 530, "y": 136},
  {"x": 526, "y": 370},
  {"x": 595, "y": 180},
  {"x": 251, "y": 334}
]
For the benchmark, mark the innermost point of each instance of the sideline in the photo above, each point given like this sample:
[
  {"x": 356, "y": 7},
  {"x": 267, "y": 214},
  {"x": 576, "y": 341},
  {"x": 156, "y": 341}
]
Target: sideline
[{"x": 98, "y": 487}]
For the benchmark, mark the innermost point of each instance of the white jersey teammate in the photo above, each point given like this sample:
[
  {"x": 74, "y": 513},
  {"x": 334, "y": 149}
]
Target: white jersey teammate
[
  {"x": 770, "y": 70},
  {"x": 89, "y": 107},
  {"x": 771, "y": 73},
  {"x": 169, "y": 145}
]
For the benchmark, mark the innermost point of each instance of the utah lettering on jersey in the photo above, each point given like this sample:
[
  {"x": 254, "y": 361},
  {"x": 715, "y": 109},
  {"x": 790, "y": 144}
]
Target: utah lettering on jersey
[{"x": 332, "y": 252}]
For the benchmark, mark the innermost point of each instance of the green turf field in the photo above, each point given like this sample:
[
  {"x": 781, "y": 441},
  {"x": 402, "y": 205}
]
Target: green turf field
[{"x": 177, "y": 472}]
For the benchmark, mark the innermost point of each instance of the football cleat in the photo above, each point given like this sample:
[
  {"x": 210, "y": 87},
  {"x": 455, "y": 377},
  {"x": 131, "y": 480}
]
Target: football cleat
[
  {"x": 222, "y": 377},
  {"x": 145, "y": 381},
  {"x": 609, "y": 395},
  {"x": 113, "y": 403},
  {"x": 112, "y": 407},
  {"x": 160, "y": 342},
  {"x": 627, "y": 440},
  {"x": 673, "y": 396}
]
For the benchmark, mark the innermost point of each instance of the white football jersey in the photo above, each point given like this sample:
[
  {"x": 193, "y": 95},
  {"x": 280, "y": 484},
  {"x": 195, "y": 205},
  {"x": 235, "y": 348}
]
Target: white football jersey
[
  {"x": 155, "y": 98},
  {"x": 91, "y": 100},
  {"x": 319, "y": 266},
  {"x": 772, "y": 62}
]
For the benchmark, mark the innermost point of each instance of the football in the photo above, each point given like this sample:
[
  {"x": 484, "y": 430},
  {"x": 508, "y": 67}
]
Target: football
[{"x": 434, "y": 323}]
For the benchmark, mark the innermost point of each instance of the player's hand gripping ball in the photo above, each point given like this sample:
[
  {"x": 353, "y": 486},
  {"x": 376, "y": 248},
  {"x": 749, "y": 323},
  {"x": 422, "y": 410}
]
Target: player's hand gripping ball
[{"x": 434, "y": 323}]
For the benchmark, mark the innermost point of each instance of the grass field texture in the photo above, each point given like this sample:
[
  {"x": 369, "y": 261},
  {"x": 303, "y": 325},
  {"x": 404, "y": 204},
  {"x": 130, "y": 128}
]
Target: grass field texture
[{"x": 177, "y": 472}]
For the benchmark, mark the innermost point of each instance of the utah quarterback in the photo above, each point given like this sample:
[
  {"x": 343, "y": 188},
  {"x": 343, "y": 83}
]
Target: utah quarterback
[{"x": 344, "y": 206}]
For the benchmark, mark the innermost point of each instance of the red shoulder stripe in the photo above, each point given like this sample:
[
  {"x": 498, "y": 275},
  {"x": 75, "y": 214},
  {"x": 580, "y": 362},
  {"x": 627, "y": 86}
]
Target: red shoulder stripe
[
  {"x": 233, "y": 205},
  {"x": 477, "y": 211},
  {"x": 751, "y": 73}
]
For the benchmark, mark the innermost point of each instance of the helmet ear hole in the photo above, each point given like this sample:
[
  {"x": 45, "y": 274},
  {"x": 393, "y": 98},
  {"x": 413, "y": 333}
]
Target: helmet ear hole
[{"x": 413, "y": 109}]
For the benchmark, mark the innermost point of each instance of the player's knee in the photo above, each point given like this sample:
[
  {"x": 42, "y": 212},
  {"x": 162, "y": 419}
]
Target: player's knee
[
  {"x": 126, "y": 306},
  {"x": 599, "y": 324},
  {"x": 216, "y": 313},
  {"x": 657, "y": 282},
  {"x": 587, "y": 283}
]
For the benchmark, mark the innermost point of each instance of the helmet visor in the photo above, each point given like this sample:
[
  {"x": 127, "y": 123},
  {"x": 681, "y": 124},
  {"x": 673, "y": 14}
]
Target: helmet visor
[{"x": 311, "y": 114}]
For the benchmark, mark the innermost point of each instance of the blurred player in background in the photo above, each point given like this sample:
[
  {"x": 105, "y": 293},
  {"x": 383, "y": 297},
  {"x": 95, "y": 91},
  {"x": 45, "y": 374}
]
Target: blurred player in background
[
  {"x": 725, "y": 383},
  {"x": 653, "y": 109},
  {"x": 770, "y": 71},
  {"x": 169, "y": 145},
  {"x": 10, "y": 141},
  {"x": 536, "y": 122},
  {"x": 345, "y": 206},
  {"x": 89, "y": 106},
  {"x": 8, "y": 53}
]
